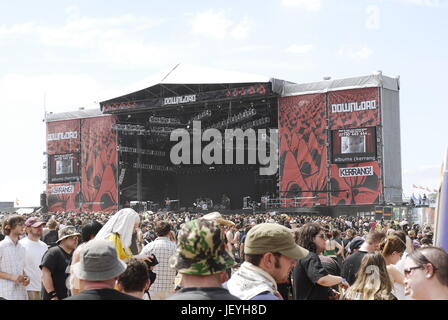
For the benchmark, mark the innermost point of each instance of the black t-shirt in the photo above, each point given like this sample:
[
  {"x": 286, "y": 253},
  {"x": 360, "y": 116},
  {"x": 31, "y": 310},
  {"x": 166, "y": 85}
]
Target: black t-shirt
[
  {"x": 101, "y": 294},
  {"x": 51, "y": 237},
  {"x": 2, "y": 237},
  {"x": 203, "y": 294},
  {"x": 58, "y": 262},
  {"x": 306, "y": 273},
  {"x": 351, "y": 266}
]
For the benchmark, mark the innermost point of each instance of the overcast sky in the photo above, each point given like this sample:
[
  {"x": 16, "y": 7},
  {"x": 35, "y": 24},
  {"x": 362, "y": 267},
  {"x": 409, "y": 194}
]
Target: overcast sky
[{"x": 72, "y": 54}]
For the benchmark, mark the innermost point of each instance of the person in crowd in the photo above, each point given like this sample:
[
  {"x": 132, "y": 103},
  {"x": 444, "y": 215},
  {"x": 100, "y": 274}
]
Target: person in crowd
[
  {"x": 134, "y": 281},
  {"x": 88, "y": 232},
  {"x": 426, "y": 274},
  {"x": 13, "y": 278},
  {"x": 270, "y": 255},
  {"x": 404, "y": 225},
  {"x": 55, "y": 264},
  {"x": 351, "y": 265},
  {"x": 230, "y": 234},
  {"x": 349, "y": 235},
  {"x": 392, "y": 248},
  {"x": 332, "y": 247},
  {"x": 99, "y": 269},
  {"x": 52, "y": 235},
  {"x": 119, "y": 229},
  {"x": 372, "y": 282},
  {"x": 310, "y": 279},
  {"x": 203, "y": 259},
  {"x": 35, "y": 250},
  {"x": 162, "y": 248}
]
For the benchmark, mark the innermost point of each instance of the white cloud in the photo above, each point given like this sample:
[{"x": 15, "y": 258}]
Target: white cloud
[
  {"x": 216, "y": 25},
  {"x": 294, "y": 48},
  {"x": 355, "y": 53},
  {"x": 309, "y": 5},
  {"x": 241, "y": 30},
  {"x": 373, "y": 17},
  {"x": 119, "y": 40}
]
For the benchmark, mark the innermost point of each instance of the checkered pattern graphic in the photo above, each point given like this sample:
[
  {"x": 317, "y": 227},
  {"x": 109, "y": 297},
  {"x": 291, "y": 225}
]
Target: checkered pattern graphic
[
  {"x": 12, "y": 261},
  {"x": 163, "y": 249}
]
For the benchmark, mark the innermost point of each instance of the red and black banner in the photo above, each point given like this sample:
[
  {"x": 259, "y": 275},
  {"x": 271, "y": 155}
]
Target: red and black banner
[
  {"x": 63, "y": 137},
  {"x": 354, "y": 108},
  {"x": 354, "y": 172},
  {"x": 99, "y": 165},
  {"x": 63, "y": 197},
  {"x": 303, "y": 150}
]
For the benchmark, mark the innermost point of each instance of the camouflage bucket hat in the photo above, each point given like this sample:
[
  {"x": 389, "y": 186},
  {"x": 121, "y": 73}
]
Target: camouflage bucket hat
[{"x": 201, "y": 249}]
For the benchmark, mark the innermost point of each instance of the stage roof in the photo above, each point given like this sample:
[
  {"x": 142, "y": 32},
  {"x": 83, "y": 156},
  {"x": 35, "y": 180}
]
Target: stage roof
[
  {"x": 374, "y": 80},
  {"x": 80, "y": 114},
  {"x": 186, "y": 79}
]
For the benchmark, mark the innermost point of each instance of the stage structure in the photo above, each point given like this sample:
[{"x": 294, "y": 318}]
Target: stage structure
[{"x": 338, "y": 145}]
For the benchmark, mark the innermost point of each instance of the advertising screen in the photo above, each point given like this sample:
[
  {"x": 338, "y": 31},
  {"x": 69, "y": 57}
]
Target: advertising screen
[
  {"x": 63, "y": 168},
  {"x": 354, "y": 145}
]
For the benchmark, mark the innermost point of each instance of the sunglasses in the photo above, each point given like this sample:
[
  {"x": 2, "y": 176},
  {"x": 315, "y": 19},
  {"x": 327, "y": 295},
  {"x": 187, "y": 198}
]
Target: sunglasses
[{"x": 408, "y": 271}]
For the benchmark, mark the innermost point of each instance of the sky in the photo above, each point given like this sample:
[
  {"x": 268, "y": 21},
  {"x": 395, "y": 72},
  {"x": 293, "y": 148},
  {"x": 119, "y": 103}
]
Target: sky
[{"x": 59, "y": 56}]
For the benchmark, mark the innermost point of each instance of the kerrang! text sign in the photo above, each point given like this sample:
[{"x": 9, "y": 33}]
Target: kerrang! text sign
[
  {"x": 356, "y": 172},
  {"x": 63, "y": 189}
]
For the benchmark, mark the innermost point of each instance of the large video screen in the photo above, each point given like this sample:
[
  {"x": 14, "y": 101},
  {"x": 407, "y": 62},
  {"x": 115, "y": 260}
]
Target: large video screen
[
  {"x": 63, "y": 168},
  {"x": 354, "y": 145}
]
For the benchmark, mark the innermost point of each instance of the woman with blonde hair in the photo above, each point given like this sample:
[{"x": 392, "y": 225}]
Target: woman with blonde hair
[
  {"x": 372, "y": 280},
  {"x": 392, "y": 248}
]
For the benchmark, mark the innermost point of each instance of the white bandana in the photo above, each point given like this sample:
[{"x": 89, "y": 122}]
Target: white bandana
[
  {"x": 249, "y": 281},
  {"x": 122, "y": 223}
]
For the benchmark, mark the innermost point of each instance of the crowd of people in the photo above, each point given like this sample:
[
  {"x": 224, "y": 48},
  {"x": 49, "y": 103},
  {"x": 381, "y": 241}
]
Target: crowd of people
[{"x": 178, "y": 256}]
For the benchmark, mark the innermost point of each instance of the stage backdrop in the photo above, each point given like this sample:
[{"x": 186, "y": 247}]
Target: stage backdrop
[
  {"x": 99, "y": 163},
  {"x": 303, "y": 150},
  {"x": 353, "y": 170},
  {"x": 357, "y": 171}
]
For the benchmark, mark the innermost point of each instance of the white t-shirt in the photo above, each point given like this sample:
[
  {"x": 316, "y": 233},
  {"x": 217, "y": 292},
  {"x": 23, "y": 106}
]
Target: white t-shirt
[{"x": 33, "y": 257}]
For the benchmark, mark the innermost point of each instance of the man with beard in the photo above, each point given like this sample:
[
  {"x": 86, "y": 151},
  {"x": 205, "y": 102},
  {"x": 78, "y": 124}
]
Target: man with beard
[
  {"x": 35, "y": 250},
  {"x": 270, "y": 255},
  {"x": 56, "y": 265}
]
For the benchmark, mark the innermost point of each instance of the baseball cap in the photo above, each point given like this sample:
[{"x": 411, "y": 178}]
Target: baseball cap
[
  {"x": 201, "y": 249},
  {"x": 34, "y": 222},
  {"x": 271, "y": 237}
]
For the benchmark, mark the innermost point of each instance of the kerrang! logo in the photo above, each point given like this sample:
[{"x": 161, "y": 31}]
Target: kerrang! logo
[
  {"x": 62, "y": 136},
  {"x": 62, "y": 190},
  {"x": 356, "y": 172}
]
